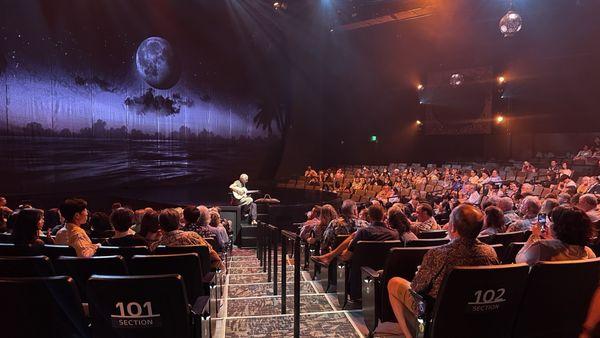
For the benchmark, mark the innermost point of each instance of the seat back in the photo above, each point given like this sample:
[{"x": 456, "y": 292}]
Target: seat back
[
  {"x": 480, "y": 301},
  {"x": 25, "y": 266},
  {"x": 557, "y": 293},
  {"x": 51, "y": 251},
  {"x": 500, "y": 251},
  {"x": 511, "y": 252},
  {"x": 401, "y": 262},
  {"x": 427, "y": 242},
  {"x": 367, "y": 253},
  {"x": 139, "y": 306},
  {"x": 41, "y": 307},
  {"x": 6, "y": 238},
  {"x": 200, "y": 250},
  {"x": 126, "y": 251},
  {"x": 81, "y": 268},
  {"x": 504, "y": 238},
  {"x": 186, "y": 265},
  {"x": 432, "y": 234}
]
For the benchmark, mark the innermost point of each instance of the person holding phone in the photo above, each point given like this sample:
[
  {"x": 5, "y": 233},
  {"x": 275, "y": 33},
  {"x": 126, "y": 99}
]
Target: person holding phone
[{"x": 565, "y": 239}]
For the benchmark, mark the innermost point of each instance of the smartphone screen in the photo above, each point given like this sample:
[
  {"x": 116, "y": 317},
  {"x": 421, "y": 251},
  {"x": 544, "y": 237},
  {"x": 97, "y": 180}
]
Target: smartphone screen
[{"x": 542, "y": 221}]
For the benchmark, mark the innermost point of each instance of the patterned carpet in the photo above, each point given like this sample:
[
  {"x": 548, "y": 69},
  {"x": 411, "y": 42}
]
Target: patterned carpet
[{"x": 251, "y": 310}]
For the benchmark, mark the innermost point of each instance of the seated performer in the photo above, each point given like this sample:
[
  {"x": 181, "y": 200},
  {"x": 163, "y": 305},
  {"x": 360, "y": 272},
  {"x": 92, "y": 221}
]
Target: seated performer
[{"x": 240, "y": 194}]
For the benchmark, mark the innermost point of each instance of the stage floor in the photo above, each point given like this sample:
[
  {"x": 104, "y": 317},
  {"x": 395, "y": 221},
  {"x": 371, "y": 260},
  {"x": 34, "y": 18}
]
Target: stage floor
[{"x": 159, "y": 197}]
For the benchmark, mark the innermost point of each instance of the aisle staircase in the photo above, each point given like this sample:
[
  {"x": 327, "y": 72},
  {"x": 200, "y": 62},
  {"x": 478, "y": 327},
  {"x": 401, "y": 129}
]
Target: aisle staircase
[{"x": 251, "y": 310}]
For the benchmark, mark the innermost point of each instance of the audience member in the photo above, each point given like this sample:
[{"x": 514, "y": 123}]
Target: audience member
[
  {"x": 346, "y": 224},
  {"x": 589, "y": 204},
  {"x": 530, "y": 207},
  {"x": 399, "y": 222},
  {"x": 328, "y": 214},
  {"x": 169, "y": 220},
  {"x": 75, "y": 212},
  {"x": 313, "y": 218},
  {"x": 465, "y": 224},
  {"x": 122, "y": 219},
  {"x": 425, "y": 220},
  {"x": 28, "y": 227},
  {"x": 376, "y": 231},
  {"x": 150, "y": 228},
  {"x": 493, "y": 222},
  {"x": 100, "y": 226},
  {"x": 565, "y": 239}
]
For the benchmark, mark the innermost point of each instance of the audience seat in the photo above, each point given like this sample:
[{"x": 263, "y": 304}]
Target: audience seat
[
  {"x": 427, "y": 242},
  {"x": 6, "y": 238},
  {"x": 42, "y": 307},
  {"x": 329, "y": 280},
  {"x": 81, "y": 268},
  {"x": 371, "y": 254},
  {"x": 51, "y": 251},
  {"x": 504, "y": 238},
  {"x": 125, "y": 251},
  {"x": 511, "y": 252},
  {"x": 145, "y": 306},
  {"x": 25, "y": 266},
  {"x": 475, "y": 302},
  {"x": 187, "y": 265},
  {"x": 400, "y": 262},
  {"x": 200, "y": 250},
  {"x": 556, "y": 300},
  {"x": 432, "y": 234}
]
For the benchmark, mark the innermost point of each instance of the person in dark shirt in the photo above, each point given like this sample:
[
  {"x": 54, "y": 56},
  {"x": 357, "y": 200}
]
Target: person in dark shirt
[
  {"x": 122, "y": 219},
  {"x": 100, "y": 226},
  {"x": 376, "y": 231}
]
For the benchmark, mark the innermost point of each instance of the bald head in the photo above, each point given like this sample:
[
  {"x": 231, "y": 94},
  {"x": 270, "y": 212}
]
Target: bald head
[
  {"x": 244, "y": 178},
  {"x": 466, "y": 220}
]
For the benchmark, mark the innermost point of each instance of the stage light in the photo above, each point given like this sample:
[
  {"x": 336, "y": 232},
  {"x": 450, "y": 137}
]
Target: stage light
[
  {"x": 499, "y": 119},
  {"x": 419, "y": 123},
  {"x": 420, "y": 87},
  {"x": 373, "y": 138},
  {"x": 501, "y": 80}
]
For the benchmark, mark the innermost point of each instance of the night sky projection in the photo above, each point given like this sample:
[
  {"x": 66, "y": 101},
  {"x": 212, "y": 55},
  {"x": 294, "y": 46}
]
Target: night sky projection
[{"x": 107, "y": 71}]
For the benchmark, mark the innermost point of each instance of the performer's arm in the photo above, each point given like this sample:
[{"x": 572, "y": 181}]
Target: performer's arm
[{"x": 236, "y": 188}]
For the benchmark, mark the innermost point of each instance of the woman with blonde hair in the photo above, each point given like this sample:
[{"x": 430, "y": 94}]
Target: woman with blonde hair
[{"x": 328, "y": 214}]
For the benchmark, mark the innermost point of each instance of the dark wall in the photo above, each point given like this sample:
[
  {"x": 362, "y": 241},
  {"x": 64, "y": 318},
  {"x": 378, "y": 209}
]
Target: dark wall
[{"x": 370, "y": 77}]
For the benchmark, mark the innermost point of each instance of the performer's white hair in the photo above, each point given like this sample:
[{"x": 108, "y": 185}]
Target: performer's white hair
[{"x": 244, "y": 177}]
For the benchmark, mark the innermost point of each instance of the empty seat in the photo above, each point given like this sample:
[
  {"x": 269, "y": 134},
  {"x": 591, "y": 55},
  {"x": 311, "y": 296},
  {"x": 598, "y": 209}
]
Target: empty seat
[
  {"x": 126, "y": 251},
  {"x": 371, "y": 254},
  {"x": 556, "y": 300},
  {"x": 25, "y": 266},
  {"x": 401, "y": 262},
  {"x": 41, "y": 307},
  {"x": 145, "y": 306},
  {"x": 475, "y": 302},
  {"x": 81, "y": 268},
  {"x": 432, "y": 234},
  {"x": 427, "y": 242}
]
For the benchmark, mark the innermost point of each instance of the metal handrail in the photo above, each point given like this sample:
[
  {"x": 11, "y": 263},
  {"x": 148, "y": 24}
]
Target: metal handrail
[{"x": 285, "y": 237}]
